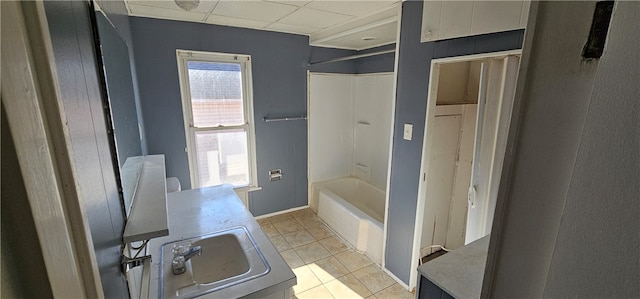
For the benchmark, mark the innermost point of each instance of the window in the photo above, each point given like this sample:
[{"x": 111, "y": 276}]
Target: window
[{"x": 218, "y": 118}]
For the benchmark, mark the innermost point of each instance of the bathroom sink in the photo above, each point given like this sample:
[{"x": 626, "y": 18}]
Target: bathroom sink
[{"x": 227, "y": 258}]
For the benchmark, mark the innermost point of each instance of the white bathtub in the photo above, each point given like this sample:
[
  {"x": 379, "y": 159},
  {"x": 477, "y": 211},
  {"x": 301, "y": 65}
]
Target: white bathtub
[{"x": 355, "y": 210}]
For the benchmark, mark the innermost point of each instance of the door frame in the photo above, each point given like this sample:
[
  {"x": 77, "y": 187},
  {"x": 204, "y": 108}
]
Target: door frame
[
  {"x": 426, "y": 148},
  {"x": 37, "y": 121}
]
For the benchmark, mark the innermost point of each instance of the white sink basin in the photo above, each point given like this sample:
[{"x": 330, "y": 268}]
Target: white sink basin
[{"x": 228, "y": 258}]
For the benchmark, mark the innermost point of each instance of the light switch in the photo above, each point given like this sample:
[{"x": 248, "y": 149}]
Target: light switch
[{"x": 408, "y": 131}]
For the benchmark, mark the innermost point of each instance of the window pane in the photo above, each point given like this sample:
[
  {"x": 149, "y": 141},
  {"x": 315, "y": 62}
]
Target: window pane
[
  {"x": 222, "y": 158},
  {"x": 216, "y": 93}
]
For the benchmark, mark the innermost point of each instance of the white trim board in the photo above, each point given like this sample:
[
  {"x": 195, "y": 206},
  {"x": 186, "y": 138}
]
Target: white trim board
[{"x": 281, "y": 212}]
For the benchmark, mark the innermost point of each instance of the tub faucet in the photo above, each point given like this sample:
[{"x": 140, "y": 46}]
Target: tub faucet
[{"x": 181, "y": 255}]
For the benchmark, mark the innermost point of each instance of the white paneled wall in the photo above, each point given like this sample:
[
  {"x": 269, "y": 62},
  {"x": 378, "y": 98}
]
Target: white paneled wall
[
  {"x": 331, "y": 98},
  {"x": 349, "y": 127},
  {"x": 373, "y": 103}
]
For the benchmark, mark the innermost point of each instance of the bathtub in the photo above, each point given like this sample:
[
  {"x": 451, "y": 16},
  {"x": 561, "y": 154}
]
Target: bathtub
[{"x": 355, "y": 210}]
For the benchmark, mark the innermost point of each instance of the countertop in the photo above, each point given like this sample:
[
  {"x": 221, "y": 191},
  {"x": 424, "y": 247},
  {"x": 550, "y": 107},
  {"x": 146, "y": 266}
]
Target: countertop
[
  {"x": 461, "y": 271},
  {"x": 203, "y": 211}
]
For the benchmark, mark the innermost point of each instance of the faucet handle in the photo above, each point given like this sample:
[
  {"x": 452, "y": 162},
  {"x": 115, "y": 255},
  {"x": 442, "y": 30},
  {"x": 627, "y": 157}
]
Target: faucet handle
[
  {"x": 178, "y": 265},
  {"x": 181, "y": 250},
  {"x": 182, "y": 254}
]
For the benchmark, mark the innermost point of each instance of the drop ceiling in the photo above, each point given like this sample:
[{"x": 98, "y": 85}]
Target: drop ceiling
[{"x": 345, "y": 24}]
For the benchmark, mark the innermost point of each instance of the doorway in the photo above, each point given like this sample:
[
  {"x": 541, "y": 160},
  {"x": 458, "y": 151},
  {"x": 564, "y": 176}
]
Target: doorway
[
  {"x": 468, "y": 115},
  {"x": 444, "y": 222}
]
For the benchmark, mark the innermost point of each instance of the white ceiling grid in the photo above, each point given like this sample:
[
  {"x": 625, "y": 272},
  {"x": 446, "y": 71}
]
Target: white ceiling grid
[{"x": 333, "y": 23}]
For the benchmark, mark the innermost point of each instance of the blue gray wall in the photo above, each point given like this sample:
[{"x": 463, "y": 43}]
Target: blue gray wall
[
  {"x": 76, "y": 65},
  {"x": 378, "y": 63},
  {"x": 116, "y": 13},
  {"x": 120, "y": 91},
  {"x": 365, "y": 65},
  {"x": 411, "y": 99},
  {"x": 279, "y": 65},
  {"x": 340, "y": 67}
]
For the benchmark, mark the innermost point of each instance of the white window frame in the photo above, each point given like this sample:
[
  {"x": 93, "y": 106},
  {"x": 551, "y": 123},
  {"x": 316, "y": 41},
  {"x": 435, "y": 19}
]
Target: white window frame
[{"x": 183, "y": 57}]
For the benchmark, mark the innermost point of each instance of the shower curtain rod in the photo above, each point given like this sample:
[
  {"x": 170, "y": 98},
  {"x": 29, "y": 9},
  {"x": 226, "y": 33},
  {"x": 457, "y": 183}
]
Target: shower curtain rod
[{"x": 352, "y": 57}]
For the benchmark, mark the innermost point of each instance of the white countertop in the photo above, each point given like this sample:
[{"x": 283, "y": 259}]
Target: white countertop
[
  {"x": 208, "y": 210},
  {"x": 461, "y": 271}
]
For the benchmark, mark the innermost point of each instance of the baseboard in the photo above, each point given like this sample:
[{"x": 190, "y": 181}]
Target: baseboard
[
  {"x": 281, "y": 212},
  {"x": 400, "y": 282}
]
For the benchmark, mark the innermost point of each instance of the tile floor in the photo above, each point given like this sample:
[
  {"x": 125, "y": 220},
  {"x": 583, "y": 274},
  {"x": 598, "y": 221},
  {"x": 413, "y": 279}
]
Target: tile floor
[{"x": 324, "y": 265}]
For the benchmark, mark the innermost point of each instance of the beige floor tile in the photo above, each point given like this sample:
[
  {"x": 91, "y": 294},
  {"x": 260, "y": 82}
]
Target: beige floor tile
[
  {"x": 263, "y": 221},
  {"x": 306, "y": 280},
  {"x": 333, "y": 245},
  {"x": 319, "y": 292},
  {"x": 352, "y": 260},
  {"x": 347, "y": 287},
  {"x": 302, "y": 213},
  {"x": 292, "y": 258},
  {"x": 320, "y": 232},
  {"x": 374, "y": 278},
  {"x": 270, "y": 230},
  {"x": 310, "y": 221},
  {"x": 280, "y": 243},
  {"x": 288, "y": 226},
  {"x": 312, "y": 252},
  {"x": 395, "y": 292},
  {"x": 299, "y": 238},
  {"x": 328, "y": 269},
  {"x": 281, "y": 217}
]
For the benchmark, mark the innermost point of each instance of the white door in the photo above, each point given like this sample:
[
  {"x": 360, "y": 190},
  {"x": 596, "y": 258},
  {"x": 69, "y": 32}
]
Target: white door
[
  {"x": 457, "y": 228},
  {"x": 442, "y": 166},
  {"x": 494, "y": 115}
]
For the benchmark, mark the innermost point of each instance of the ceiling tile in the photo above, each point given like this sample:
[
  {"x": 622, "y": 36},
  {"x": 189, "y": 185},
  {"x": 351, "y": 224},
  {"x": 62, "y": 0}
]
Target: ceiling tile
[
  {"x": 163, "y": 13},
  {"x": 327, "y": 19},
  {"x": 254, "y": 10},
  {"x": 204, "y": 7},
  {"x": 353, "y": 8},
  {"x": 292, "y": 28},
  {"x": 229, "y": 21},
  {"x": 383, "y": 35},
  {"x": 314, "y": 18},
  {"x": 291, "y": 2}
]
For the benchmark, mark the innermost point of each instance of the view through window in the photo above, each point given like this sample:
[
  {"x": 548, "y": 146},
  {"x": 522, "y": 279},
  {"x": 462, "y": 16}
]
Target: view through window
[{"x": 216, "y": 106}]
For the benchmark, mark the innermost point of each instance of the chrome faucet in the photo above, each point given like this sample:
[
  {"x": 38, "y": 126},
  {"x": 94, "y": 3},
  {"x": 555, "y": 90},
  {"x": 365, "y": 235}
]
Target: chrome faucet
[{"x": 181, "y": 255}]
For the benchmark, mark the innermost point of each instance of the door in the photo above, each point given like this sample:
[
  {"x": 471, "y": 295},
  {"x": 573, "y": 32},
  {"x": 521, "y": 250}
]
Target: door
[
  {"x": 442, "y": 166},
  {"x": 498, "y": 80}
]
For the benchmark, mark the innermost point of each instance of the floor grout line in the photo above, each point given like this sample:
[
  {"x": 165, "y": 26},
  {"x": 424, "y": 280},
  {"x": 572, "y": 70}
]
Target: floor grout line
[{"x": 298, "y": 217}]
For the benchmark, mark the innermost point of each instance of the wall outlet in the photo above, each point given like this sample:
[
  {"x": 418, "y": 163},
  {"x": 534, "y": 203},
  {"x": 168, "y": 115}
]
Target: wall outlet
[{"x": 408, "y": 131}]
